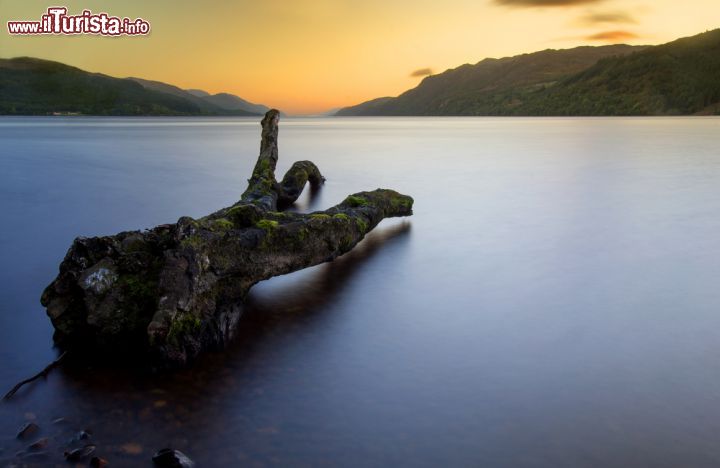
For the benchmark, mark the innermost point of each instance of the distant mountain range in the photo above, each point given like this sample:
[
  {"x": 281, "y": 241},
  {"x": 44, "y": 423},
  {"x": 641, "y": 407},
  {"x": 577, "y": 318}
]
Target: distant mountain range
[
  {"x": 678, "y": 78},
  {"x": 31, "y": 86},
  {"x": 229, "y": 101}
]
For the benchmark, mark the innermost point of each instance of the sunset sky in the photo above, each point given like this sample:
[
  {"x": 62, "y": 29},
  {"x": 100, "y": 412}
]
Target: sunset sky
[{"x": 308, "y": 56}]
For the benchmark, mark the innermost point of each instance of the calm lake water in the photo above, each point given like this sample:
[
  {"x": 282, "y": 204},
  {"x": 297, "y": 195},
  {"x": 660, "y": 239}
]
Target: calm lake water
[{"x": 553, "y": 302}]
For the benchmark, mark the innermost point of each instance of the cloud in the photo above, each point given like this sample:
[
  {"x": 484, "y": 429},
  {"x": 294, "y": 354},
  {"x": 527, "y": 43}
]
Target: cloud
[
  {"x": 545, "y": 3},
  {"x": 612, "y": 36},
  {"x": 422, "y": 72},
  {"x": 609, "y": 17}
]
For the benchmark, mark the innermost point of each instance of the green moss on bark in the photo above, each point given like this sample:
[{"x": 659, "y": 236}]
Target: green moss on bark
[
  {"x": 356, "y": 201},
  {"x": 183, "y": 326},
  {"x": 267, "y": 224}
]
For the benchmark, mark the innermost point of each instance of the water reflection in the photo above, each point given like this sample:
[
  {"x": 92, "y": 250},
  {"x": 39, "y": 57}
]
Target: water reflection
[
  {"x": 555, "y": 304},
  {"x": 299, "y": 299}
]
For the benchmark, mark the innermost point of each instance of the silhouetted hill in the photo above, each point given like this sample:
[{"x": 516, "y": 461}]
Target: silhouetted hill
[
  {"x": 30, "y": 86},
  {"x": 675, "y": 78},
  {"x": 678, "y": 78},
  {"x": 198, "y": 92},
  {"x": 232, "y": 102},
  {"x": 181, "y": 93},
  {"x": 490, "y": 86},
  {"x": 202, "y": 98}
]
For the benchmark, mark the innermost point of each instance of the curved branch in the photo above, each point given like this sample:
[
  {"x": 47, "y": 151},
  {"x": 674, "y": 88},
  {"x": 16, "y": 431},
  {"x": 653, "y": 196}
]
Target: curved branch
[{"x": 294, "y": 182}]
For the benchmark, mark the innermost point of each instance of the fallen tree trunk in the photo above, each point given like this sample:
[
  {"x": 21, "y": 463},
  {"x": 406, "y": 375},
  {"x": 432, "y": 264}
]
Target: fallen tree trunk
[{"x": 172, "y": 291}]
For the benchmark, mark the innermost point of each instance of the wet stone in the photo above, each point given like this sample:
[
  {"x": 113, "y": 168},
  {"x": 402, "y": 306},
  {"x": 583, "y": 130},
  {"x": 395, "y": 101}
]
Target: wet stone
[
  {"x": 169, "y": 458},
  {"x": 39, "y": 444},
  {"x": 98, "y": 462},
  {"x": 80, "y": 453},
  {"x": 80, "y": 436},
  {"x": 27, "y": 429}
]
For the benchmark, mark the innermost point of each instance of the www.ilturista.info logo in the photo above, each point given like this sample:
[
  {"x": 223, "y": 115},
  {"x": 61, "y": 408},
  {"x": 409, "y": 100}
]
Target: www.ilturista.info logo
[{"x": 57, "y": 21}]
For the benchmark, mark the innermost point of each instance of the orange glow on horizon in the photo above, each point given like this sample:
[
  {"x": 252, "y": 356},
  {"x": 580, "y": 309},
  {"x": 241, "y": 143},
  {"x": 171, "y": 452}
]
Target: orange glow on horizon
[{"x": 309, "y": 56}]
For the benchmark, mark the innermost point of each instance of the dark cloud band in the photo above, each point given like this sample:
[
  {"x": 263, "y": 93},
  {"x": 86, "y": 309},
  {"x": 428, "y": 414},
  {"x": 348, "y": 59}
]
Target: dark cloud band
[
  {"x": 613, "y": 17},
  {"x": 422, "y": 72}
]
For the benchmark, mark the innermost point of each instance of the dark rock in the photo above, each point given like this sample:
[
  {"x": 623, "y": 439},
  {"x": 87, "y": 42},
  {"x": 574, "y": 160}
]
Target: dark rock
[
  {"x": 169, "y": 458},
  {"x": 80, "y": 436},
  {"x": 175, "y": 290},
  {"x": 97, "y": 462},
  {"x": 80, "y": 453},
  {"x": 39, "y": 444},
  {"x": 27, "y": 429}
]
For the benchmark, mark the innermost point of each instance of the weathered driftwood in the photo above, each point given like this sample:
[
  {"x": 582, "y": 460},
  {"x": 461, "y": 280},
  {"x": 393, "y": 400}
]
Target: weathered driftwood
[{"x": 174, "y": 290}]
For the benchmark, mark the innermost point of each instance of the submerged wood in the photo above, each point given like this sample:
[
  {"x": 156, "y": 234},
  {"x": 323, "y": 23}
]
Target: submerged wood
[
  {"x": 177, "y": 289},
  {"x": 43, "y": 373}
]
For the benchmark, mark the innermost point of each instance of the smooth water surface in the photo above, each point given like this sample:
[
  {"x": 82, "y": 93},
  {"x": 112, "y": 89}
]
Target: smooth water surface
[{"x": 553, "y": 302}]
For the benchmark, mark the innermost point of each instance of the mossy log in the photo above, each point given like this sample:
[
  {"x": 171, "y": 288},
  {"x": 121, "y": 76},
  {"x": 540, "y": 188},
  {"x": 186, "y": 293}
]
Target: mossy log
[{"x": 177, "y": 289}]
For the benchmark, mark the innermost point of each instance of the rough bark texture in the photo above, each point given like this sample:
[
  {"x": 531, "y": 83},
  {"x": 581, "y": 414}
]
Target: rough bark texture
[{"x": 175, "y": 290}]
